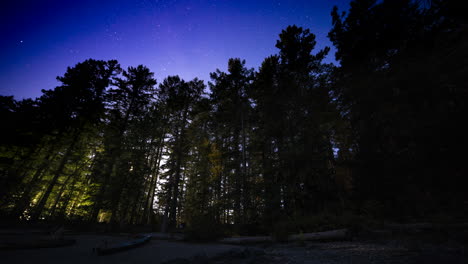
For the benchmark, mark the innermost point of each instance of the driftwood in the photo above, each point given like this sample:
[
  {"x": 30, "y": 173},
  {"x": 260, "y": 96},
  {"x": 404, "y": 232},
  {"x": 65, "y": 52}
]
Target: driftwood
[
  {"x": 246, "y": 240},
  {"x": 327, "y": 235},
  {"x": 167, "y": 236},
  {"x": 105, "y": 250}
]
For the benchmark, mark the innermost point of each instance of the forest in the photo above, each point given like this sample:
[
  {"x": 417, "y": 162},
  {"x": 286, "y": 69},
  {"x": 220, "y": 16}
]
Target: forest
[{"x": 295, "y": 145}]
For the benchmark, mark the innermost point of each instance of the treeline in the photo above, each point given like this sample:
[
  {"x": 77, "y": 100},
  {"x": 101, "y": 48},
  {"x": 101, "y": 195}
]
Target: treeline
[{"x": 381, "y": 134}]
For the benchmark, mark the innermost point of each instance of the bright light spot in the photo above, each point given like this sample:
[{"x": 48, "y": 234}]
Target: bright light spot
[{"x": 335, "y": 152}]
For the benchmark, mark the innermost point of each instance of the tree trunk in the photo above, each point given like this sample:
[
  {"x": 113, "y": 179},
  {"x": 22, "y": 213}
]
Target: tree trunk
[
  {"x": 110, "y": 166},
  {"x": 60, "y": 193},
  {"x": 40, "y": 206},
  {"x": 245, "y": 193},
  {"x": 177, "y": 174},
  {"x": 68, "y": 197},
  {"x": 102, "y": 190},
  {"x": 237, "y": 178},
  {"x": 22, "y": 204},
  {"x": 169, "y": 192},
  {"x": 152, "y": 186}
]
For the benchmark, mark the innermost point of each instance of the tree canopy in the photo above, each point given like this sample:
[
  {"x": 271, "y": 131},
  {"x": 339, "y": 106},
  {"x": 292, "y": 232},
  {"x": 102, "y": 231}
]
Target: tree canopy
[{"x": 378, "y": 134}]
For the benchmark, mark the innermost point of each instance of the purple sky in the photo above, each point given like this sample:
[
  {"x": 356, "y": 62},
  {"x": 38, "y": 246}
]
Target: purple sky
[{"x": 191, "y": 38}]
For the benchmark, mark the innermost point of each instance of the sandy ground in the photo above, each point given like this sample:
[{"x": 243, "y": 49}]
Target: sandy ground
[
  {"x": 171, "y": 252},
  {"x": 366, "y": 252},
  {"x": 155, "y": 251}
]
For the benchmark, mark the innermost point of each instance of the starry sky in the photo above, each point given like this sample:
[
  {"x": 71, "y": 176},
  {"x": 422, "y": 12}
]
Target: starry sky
[{"x": 190, "y": 38}]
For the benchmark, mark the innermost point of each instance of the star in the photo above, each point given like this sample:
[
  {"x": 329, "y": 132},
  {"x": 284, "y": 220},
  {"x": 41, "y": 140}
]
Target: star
[{"x": 21, "y": 41}]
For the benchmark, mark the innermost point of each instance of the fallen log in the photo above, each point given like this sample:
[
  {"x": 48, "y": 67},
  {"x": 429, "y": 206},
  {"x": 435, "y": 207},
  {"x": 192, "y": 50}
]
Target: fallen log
[
  {"x": 326, "y": 235},
  {"x": 123, "y": 246},
  {"x": 167, "y": 236},
  {"x": 318, "y": 236},
  {"x": 246, "y": 240}
]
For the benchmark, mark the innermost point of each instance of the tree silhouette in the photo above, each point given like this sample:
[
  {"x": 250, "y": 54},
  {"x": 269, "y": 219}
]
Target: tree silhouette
[{"x": 278, "y": 149}]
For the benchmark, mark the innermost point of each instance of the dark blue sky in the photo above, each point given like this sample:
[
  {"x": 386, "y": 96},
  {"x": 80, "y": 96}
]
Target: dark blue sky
[{"x": 191, "y": 38}]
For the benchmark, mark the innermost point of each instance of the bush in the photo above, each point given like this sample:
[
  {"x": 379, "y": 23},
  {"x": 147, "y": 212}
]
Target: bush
[
  {"x": 203, "y": 228},
  {"x": 281, "y": 231},
  {"x": 321, "y": 222}
]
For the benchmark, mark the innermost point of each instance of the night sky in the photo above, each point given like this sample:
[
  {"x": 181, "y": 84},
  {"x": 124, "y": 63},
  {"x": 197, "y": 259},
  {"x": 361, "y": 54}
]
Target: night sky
[{"x": 191, "y": 38}]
